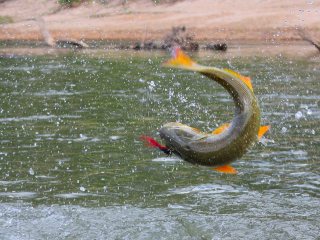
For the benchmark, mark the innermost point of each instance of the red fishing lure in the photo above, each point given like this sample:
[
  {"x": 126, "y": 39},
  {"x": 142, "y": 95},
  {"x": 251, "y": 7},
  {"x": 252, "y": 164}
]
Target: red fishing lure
[{"x": 150, "y": 142}]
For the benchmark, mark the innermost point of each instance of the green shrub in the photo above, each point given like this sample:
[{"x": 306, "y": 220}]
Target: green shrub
[
  {"x": 69, "y": 3},
  {"x": 5, "y": 19}
]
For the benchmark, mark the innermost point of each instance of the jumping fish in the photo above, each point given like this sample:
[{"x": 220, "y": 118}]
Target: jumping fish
[{"x": 226, "y": 143}]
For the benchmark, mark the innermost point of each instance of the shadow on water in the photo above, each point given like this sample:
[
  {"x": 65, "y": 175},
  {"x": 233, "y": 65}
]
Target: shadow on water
[{"x": 72, "y": 165}]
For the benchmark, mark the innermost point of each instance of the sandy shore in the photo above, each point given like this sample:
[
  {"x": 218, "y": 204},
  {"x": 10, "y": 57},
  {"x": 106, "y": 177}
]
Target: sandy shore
[{"x": 264, "y": 21}]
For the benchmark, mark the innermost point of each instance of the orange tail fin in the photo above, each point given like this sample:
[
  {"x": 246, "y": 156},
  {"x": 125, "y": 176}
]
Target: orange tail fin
[{"x": 179, "y": 59}]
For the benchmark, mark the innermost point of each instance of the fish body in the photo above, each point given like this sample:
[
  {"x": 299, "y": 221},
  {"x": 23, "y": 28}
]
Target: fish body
[
  {"x": 218, "y": 149},
  {"x": 230, "y": 141}
]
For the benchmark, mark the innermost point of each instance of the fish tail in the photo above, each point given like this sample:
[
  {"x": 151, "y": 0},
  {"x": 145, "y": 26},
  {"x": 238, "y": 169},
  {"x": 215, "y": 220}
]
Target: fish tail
[
  {"x": 150, "y": 142},
  {"x": 179, "y": 59}
]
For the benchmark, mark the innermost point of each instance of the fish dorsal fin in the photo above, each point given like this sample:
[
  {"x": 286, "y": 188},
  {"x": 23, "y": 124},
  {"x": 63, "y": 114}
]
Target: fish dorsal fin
[
  {"x": 262, "y": 131},
  {"x": 245, "y": 79},
  {"x": 221, "y": 128},
  {"x": 179, "y": 59},
  {"x": 226, "y": 169}
]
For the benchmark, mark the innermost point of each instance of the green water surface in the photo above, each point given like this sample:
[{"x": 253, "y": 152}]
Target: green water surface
[{"x": 72, "y": 165}]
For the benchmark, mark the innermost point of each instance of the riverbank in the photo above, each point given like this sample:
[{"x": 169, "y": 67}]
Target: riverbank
[
  {"x": 236, "y": 49},
  {"x": 229, "y": 21}
]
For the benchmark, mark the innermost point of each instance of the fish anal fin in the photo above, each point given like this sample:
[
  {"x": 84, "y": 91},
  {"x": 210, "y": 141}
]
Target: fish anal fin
[
  {"x": 262, "y": 131},
  {"x": 221, "y": 128},
  {"x": 226, "y": 169},
  {"x": 246, "y": 80},
  {"x": 179, "y": 59}
]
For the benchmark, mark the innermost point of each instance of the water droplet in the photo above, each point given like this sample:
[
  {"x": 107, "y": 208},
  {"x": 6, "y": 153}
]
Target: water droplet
[
  {"x": 83, "y": 136},
  {"x": 151, "y": 85},
  {"x": 284, "y": 129},
  {"x": 298, "y": 115},
  {"x": 114, "y": 138},
  {"x": 31, "y": 172},
  {"x": 309, "y": 111}
]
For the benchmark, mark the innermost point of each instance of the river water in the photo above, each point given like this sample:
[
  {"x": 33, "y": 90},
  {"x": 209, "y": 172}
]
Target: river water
[{"x": 72, "y": 165}]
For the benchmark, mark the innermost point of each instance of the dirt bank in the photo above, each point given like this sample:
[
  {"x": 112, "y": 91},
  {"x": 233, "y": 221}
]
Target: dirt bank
[{"x": 209, "y": 20}]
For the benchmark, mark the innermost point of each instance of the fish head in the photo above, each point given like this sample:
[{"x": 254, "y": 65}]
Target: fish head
[{"x": 178, "y": 136}]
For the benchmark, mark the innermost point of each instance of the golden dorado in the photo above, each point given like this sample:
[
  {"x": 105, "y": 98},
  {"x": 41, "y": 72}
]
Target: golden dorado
[{"x": 228, "y": 142}]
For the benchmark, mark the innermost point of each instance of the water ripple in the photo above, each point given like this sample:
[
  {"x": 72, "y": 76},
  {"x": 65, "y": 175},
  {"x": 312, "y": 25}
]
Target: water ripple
[
  {"x": 209, "y": 189},
  {"x": 36, "y": 118},
  {"x": 22, "y": 195}
]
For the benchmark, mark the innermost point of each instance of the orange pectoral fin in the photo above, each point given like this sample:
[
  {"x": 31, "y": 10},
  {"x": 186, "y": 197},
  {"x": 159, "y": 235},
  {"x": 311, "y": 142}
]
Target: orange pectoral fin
[
  {"x": 226, "y": 169},
  {"x": 196, "y": 130},
  {"x": 262, "y": 131},
  {"x": 245, "y": 79},
  {"x": 179, "y": 59},
  {"x": 221, "y": 128}
]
